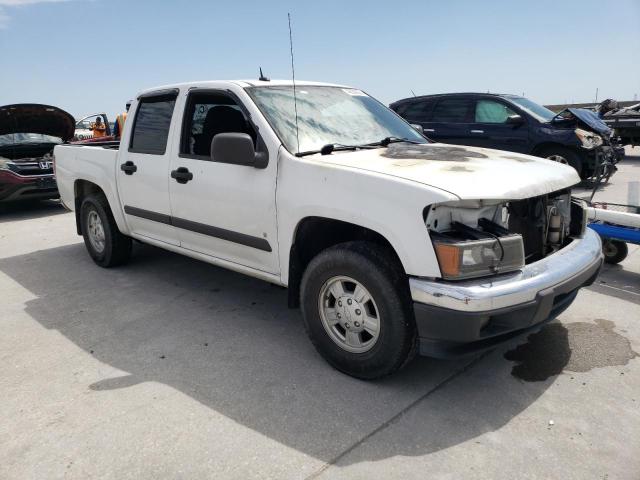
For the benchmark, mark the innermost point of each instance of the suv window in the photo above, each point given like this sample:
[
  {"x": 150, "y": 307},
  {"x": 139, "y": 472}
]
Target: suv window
[
  {"x": 451, "y": 110},
  {"x": 206, "y": 115},
  {"x": 151, "y": 125},
  {"x": 490, "y": 111},
  {"x": 417, "y": 111}
]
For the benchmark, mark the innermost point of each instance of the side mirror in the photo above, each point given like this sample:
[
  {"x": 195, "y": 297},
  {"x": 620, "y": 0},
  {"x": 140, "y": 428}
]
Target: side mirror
[
  {"x": 237, "y": 149},
  {"x": 515, "y": 120},
  {"x": 417, "y": 127}
]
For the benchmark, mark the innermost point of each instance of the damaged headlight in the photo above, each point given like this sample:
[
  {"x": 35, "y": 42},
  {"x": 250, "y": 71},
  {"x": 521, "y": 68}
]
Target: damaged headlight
[
  {"x": 588, "y": 139},
  {"x": 461, "y": 258}
]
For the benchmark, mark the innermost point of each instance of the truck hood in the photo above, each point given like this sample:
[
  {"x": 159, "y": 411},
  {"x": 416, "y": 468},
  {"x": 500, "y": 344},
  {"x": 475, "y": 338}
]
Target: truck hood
[
  {"x": 470, "y": 173},
  {"x": 36, "y": 118}
]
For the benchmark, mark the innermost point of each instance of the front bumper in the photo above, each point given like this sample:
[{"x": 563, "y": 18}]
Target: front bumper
[
  {"x": 15, "y": 187},
  {"x": 458, "y": 318}
]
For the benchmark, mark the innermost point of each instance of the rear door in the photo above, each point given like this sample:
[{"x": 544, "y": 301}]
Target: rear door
[
  {"x": 417, "y": 112},
  {"x": 491, "y": 130},
  {"x": 450, "y": 120},
  {"x": 143, "y": 170}
]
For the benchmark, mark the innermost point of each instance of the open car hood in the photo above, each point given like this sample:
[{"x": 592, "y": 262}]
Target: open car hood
[
  {"x": 589, "y": 118},
  {"x": 470, "y": 173},
  {"x": 36, "y": 118}
]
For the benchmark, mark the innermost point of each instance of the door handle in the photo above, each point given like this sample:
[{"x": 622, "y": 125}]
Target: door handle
[
  {"x": 477, "y": 131},
  {"x": 128, "y": 167},
  {"x": 182, "y": 175},
  {"x": 431, "y": 130}
]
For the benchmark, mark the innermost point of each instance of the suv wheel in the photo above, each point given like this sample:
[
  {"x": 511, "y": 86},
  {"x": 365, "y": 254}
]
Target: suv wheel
[
  {"x": 565, "y": 156},
  {"x": 357, "y": 310}
]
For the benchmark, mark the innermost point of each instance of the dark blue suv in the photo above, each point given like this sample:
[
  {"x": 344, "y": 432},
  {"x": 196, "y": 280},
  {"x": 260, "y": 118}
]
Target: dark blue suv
[{"x": 509, "y": 122}]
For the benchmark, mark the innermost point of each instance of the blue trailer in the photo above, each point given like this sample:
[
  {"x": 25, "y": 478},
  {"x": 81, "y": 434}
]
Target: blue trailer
[{"x": 617, "y": 225}]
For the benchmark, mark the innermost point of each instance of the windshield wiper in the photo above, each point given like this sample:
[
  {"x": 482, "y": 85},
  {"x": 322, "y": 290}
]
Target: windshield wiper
[
  {"x": 385, "y": 142},
  {"x": 335, "y": 147}
]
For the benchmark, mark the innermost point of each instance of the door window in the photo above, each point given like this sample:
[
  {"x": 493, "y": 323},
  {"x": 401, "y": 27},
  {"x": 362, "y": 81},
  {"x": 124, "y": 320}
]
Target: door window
[
  {"x": 490, "y": 111},
  {"x": 206, "y": 115},
  {"x": 451, "y": 110},
  {"x": 151, "y": 125},
  {"x": 417, "y": 112}
]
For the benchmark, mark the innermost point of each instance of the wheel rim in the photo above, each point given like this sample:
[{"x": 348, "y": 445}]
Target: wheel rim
[
  {"x": 558, "y": 158},
  {"x": 96, "y": 231},
  {"x": 349, "y": 314}
]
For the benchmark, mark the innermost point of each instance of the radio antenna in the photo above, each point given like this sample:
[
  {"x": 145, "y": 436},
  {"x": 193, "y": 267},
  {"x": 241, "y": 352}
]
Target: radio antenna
[{"x": 293, "y": 76}]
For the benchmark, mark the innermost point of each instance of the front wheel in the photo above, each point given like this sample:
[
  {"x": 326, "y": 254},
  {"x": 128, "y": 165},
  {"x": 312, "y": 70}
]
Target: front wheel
[
  {"x": 564, "y": 156},
  {"x": 105, "y": 244},
  {"x": 357, "y": 310}
]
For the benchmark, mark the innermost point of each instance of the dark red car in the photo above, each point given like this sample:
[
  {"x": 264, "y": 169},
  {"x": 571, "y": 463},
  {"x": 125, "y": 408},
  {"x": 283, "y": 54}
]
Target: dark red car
[{"x": 28, "y": 134}]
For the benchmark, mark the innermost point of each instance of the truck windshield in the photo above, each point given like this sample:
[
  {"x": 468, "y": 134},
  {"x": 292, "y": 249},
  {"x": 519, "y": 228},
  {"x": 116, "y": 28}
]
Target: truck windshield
[
  {"x": 540, "y": 113},
  {"x": 328, "y": 115}
]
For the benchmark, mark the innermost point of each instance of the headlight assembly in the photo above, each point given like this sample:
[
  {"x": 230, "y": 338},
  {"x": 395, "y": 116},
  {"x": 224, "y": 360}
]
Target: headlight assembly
[
  {"x": 588, "y": 139},
  {"x": 462, "y": 256}
]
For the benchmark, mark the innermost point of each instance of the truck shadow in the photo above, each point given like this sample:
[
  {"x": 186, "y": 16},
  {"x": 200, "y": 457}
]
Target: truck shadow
[{"x": 229, "y": 342}]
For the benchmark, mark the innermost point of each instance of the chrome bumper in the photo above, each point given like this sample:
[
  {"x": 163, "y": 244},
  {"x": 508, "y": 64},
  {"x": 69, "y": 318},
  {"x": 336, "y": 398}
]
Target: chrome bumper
[{"x": 510, "y": 289}]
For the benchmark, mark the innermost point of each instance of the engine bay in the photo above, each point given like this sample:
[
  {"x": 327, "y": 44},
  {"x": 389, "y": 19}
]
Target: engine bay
[{"x": 545, "y": 224}]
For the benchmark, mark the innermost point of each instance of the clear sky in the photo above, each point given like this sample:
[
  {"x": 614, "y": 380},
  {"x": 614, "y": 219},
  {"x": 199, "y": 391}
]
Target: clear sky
[{"x": 90, "y": 55}]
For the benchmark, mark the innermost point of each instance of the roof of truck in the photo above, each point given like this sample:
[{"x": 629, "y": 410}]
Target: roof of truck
[{"x": 240, "y": 83}]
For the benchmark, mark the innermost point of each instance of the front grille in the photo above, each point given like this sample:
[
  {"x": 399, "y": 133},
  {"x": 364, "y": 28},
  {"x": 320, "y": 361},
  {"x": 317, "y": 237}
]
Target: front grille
[{"x": 30, "y": 168}]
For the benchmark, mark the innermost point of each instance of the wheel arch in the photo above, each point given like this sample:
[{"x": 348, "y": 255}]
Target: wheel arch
[
  {"x": 314, "y": 234},
  {"x": 544, "y": 146},
  {"x": 83, "y": 188}
]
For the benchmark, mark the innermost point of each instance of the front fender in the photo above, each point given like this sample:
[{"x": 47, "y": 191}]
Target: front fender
[{"x": 390, "y": 206}]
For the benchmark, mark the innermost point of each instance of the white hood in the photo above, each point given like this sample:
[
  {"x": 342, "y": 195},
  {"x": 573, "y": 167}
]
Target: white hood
[{"x": 468, "y": 172}]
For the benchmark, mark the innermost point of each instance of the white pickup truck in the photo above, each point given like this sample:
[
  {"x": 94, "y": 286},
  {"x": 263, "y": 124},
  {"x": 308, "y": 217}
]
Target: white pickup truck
[{"x": 391, "y": 244}]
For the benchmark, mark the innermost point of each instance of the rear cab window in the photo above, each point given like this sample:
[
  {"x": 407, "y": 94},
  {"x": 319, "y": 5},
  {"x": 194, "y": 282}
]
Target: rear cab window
[{"x": 152, "y": 122}]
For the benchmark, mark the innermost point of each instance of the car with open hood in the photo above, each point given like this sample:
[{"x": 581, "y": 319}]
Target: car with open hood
[
  {"x": 28, "y": 134},
  {"x": 575, "y": 137},
  {"x": 391, "y": 245}
]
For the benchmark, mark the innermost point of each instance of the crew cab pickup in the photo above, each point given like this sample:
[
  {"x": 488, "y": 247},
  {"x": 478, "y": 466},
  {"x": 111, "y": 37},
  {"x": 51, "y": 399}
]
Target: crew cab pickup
[{"x": 390, "y": 244}]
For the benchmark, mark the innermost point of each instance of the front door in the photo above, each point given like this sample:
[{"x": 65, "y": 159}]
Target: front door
[
  {"x": 223, "y": 210},
  {"x": 491, "y": 129},
  {"x": 143, "y": 172}
]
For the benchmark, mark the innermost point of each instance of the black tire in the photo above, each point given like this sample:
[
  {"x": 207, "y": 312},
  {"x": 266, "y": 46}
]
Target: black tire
[
  {"x": 614, "y": 251},
  {"x": 377, "y": 270},
  {"x": 117, "y": 247},
  {"x": 572, "y": 158}
]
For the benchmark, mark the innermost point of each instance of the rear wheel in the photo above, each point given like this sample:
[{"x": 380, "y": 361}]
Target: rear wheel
[
  {"x": 614, "y": 251},
  {"x": 105, "y": 244},
  {"x": 564, "y": 156},
  {"x": 357, "y": 310}
]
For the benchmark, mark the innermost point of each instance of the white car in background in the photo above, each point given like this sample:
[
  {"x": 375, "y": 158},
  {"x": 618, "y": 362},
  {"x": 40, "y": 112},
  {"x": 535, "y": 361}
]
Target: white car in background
[{"x": 83, "y": 126}]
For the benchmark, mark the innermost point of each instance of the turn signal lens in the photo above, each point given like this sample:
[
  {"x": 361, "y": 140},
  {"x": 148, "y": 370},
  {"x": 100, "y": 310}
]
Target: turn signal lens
[{"x": 449, "y": 259}]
